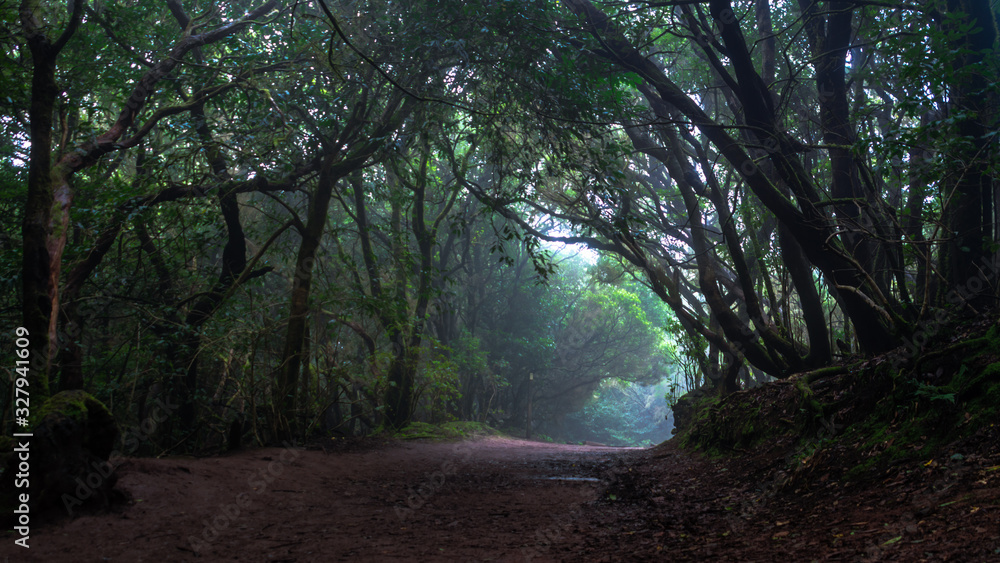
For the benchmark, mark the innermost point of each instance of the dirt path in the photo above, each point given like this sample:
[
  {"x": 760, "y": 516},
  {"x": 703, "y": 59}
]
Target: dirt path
[
  {"x": 487, "y": 500},
  {"x": 500, "y": 499}
]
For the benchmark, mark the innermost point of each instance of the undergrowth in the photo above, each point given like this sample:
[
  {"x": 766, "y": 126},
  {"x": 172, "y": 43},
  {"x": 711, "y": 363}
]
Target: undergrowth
[
  {"x": 448, "y": 431},
  {"x": 885, "y": 411}
]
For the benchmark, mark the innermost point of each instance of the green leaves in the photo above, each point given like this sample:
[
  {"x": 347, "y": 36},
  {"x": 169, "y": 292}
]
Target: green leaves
[{"x": 934, "y": 393}]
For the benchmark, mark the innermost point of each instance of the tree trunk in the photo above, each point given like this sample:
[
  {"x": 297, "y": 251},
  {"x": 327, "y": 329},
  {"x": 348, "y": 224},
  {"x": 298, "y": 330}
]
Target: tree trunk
[
  {"x": 40, "y": 230},
  {"x": 969, "y": 190},
  {"x": 288, "y": 378}
]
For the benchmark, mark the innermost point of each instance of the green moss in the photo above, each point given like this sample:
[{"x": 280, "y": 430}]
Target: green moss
[
  {"x": 814, "y": 407},
  {"x": 444, "y": 432},
  {"x": 74, "y": 404},
  {"x": 73, "y": 432},
  {"x": 916, "y": 419},
  {"x": 993, "y": 336},
  {"x": 886, "y": 413},
  {"x": 979, "y": 392},
  {"x": 77, "y": 409},
  {"x": 733, "y": 422}
]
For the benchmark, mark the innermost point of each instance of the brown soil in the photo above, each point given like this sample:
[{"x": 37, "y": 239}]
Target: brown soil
[{"x": 500, "y": 499}]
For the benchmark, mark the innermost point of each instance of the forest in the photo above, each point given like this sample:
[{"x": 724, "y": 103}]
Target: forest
[{"x": 246, "y": 223}]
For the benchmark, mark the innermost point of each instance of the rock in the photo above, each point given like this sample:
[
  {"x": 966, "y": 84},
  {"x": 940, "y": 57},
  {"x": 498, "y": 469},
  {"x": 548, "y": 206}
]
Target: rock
[{"x": 73, "y": 436}]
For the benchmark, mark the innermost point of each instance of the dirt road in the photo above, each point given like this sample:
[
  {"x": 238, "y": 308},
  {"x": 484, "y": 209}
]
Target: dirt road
[
  {"x": 499, "y": 499},
  {"x": 488, "y": 500}
]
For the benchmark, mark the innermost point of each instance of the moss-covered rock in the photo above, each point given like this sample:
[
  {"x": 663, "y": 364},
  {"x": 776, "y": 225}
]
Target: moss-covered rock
[
  {"x": 67, "y": 455},
  {"x": 79, "y": 414}
]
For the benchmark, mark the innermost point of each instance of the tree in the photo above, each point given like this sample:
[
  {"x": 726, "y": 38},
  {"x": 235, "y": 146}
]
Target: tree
[
  {"x": 829, "y": 211},
  {"x": 308, "y": 215},
  {"x": 46, "y": 217}
]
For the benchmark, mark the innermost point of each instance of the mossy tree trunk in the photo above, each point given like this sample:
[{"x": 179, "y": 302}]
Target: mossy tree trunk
[{"x": 43, "y": 231}]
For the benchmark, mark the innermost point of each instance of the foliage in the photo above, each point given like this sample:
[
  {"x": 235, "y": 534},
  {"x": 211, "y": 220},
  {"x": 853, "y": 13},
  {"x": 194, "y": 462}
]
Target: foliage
[
  {"x": 438, "y": 386},
  {"x": 622, "y": 414},
  {"x": 333, "y": 216}
]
